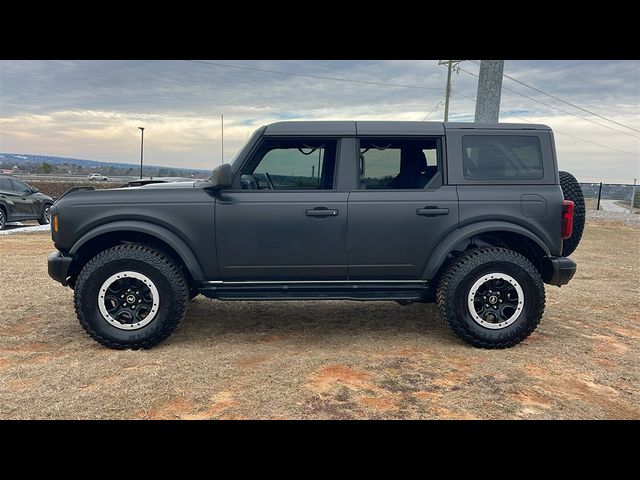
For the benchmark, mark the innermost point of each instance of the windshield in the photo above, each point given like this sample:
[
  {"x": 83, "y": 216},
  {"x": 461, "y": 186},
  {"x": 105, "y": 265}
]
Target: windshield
[{"x": 241, "y": 149}]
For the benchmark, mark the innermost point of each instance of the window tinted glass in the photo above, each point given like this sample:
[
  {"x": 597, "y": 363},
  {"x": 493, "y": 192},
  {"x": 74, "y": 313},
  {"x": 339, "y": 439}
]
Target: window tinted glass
[
  {"x": 388, "y": 163},
  {"x": 5, "y": 184},
  {"x": 507, "y": 157},
  {"x": 301, "y": 164},
  {"x": 20, "y": 186}
]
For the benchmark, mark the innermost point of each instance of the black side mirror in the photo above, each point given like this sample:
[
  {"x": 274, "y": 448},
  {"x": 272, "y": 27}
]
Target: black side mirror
[
  {"x": 221, "y": 177},
  {"x": 34, "y": 190}
]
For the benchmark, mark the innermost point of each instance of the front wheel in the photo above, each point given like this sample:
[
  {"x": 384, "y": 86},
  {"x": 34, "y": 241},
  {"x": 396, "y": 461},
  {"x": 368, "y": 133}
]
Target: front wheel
[
  {"x": 491, "y": 297},
  {"x": 130, "y": 296}
]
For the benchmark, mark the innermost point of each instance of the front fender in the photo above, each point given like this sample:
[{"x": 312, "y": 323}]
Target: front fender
[
  {"x": 448, "y": 243},
  {"x": 161, "y": 233}
]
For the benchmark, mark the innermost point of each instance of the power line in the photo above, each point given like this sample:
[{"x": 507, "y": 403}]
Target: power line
[
  {"x": 563, "y": 101},
  {"x": 559, "y": 131},
  {"x": 556, "y": 108},
  {"x": 321, "y": 77},
  {"x": 433, "y": 110}
]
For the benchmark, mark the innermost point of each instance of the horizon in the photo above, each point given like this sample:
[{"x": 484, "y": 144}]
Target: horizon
[{"x": 92, "y": 109}]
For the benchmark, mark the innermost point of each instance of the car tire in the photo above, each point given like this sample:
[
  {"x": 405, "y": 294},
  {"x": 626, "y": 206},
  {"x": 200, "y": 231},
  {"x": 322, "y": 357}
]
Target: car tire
[
  {"x": 572, "y": 191},
  {"x": 3, "y": 219},
  {"x": 45, "y": 216},
  {"x": 138, "y": 276},
  {"x": 507, "y": 282}
]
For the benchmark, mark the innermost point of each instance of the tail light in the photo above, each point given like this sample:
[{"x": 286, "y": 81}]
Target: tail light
[{"x": 566, "y": 226}]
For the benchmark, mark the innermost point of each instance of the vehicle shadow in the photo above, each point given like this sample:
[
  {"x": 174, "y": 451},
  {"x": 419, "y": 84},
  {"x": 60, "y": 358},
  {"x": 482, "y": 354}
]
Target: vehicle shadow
[{"x": 313, "y": 320}]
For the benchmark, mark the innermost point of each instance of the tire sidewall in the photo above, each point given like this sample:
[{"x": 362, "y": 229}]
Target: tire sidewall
[
  {"x": 43, "y": 217},
  {"x": 88, "y": 301},
  {"x": 3, "y": 219},
  {"x": 517, "y": 328}
]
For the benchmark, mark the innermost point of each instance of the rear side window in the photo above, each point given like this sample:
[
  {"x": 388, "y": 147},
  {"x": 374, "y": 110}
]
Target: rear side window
[
  {"x": 5, "y": 184},
  {"x": 501, "y": 157},
  {"x": 392, "y": 163}
]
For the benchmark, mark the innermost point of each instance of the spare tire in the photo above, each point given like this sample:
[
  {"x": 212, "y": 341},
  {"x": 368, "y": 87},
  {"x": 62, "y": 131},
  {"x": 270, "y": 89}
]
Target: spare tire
[{"x": 572, "y": 191}]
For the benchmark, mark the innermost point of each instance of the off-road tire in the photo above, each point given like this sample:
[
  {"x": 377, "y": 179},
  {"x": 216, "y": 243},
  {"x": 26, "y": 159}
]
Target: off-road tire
[
  {"x": 3, "y": 218},
  {"x": 154, "y": 264},
  {"x": 454, "y": 288},
  {"x": 44, "y": 220},
  {"x": 572, "y": 191}
]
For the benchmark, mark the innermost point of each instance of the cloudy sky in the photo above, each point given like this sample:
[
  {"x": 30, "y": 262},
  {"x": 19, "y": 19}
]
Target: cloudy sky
[{"x": 91, "y": 109}]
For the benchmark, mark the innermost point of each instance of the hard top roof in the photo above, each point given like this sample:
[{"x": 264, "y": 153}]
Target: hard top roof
[{"x": 386, "y": 127}]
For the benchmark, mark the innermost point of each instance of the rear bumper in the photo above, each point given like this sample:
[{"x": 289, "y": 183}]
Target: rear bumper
[
  {"x": 58, "y": 266},
  {"x": 558, "y": 270}
]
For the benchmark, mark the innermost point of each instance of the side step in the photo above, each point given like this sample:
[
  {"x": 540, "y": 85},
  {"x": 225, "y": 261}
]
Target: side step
[{"x": 411, "y": 290}]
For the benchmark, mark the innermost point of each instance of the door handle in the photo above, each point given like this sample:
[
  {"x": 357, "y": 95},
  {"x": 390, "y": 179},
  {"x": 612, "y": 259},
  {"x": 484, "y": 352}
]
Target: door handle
[
  {"x": 321, "y": 212},
  {"x": 432, "y": 211}
]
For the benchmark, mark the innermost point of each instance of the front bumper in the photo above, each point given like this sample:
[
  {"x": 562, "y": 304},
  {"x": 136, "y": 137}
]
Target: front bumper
[
  {"x": 58, "y": 266},
  {"x": 558, "y": 270}
]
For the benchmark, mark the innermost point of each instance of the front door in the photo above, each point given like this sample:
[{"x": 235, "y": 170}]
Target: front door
[
  {"x": 401, "y": 210},
  {"x": 28, "y": 205},
  {"x": 283, "y": 220}
]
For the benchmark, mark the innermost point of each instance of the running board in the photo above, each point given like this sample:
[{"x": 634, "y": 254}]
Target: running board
[{"x": 363, "y": 290}]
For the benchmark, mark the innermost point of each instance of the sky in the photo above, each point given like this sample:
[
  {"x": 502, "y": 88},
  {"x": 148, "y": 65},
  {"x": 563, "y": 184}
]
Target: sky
[{"x": 92, "y": 109}]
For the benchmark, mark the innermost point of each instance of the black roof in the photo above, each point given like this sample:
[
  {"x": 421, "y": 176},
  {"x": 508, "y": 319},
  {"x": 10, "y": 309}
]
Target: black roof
[{"x": 386, "y": 127}]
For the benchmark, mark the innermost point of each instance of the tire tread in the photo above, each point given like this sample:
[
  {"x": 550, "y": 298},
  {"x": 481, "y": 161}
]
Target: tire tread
[
  {"x": 459, "y": 269},
  {"x": 157, "y": 259}
]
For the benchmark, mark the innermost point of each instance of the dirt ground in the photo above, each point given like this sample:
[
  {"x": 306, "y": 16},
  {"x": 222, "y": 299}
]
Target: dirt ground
[{"x": 332, "y": 359}]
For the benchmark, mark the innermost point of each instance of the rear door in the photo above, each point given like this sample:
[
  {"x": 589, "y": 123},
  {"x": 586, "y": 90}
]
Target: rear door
[
  {"x": 284, "y": 219},
  {"x": 401, "y": 208},
  {"x": 15, "y": 201}
]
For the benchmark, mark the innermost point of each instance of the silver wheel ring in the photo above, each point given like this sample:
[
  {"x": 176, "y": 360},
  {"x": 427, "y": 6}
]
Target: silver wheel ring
[
  {"x": 138, "y": 276},
  {"x": 472, "y": 295}
]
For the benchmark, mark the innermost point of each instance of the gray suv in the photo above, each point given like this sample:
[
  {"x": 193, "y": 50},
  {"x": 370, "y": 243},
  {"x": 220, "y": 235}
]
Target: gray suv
[{"x": 475, "y": 217}]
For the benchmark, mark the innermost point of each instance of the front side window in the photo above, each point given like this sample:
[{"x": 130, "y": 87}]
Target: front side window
[
  {"x": 292, "y": 164},
  {"x": 388, "y": 163},
  {"x": 20, "y": 186},
  {"x": 501, "y": 157}
]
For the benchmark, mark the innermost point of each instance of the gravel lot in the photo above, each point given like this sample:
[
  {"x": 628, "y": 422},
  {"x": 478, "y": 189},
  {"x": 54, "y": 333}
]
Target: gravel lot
[{"x": 327, "y": 359}]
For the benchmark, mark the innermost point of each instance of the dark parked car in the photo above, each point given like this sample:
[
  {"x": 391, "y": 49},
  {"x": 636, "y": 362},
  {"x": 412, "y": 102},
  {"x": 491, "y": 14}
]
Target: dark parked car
[
  {"x": 19, "y": 201},
  {"x": 475, "y": 217}
]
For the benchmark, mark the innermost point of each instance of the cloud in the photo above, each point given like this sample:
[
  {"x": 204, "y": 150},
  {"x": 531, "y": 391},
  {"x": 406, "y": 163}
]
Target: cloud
[{"x": 91, "y": 109}]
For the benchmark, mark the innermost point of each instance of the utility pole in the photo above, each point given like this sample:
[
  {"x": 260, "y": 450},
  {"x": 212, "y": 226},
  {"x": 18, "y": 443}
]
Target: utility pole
[
  {"x": 450, "y": 64},
  {"x": 222, "y": 124},
  {"x": 633, "y": 195},
  {"x": 489, "y": 91},
  {"x": 141, "y": 149}
]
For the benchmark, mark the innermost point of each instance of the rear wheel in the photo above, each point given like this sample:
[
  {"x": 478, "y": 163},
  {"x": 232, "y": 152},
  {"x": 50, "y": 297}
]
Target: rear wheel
[
  {"x": 491, "y": 297},
  {"x": 45, "y": 216},
  {"x": 572, "y": 191},
  {"x": 130, "y": 296}
]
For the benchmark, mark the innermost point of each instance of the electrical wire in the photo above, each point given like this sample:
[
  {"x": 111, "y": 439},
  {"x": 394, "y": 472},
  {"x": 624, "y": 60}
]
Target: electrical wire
[
  {"x": 556, "y": 108},
  {"x": 558, "y": 131},
  {"x": 563, "y": 101},
  {"x": 321, "y": 77}
]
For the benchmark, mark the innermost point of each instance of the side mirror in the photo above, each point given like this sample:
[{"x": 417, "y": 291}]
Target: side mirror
[
  {"x": 221, "y": 177},
  {"x": 34, "y": 190}
]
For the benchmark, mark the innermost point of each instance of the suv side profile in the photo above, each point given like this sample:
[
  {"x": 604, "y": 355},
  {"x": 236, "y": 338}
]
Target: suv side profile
[
  {"x": 475, "y": 217},
  {"x": 19, "y": 202},
  {"x": 97, "y": 177}
]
